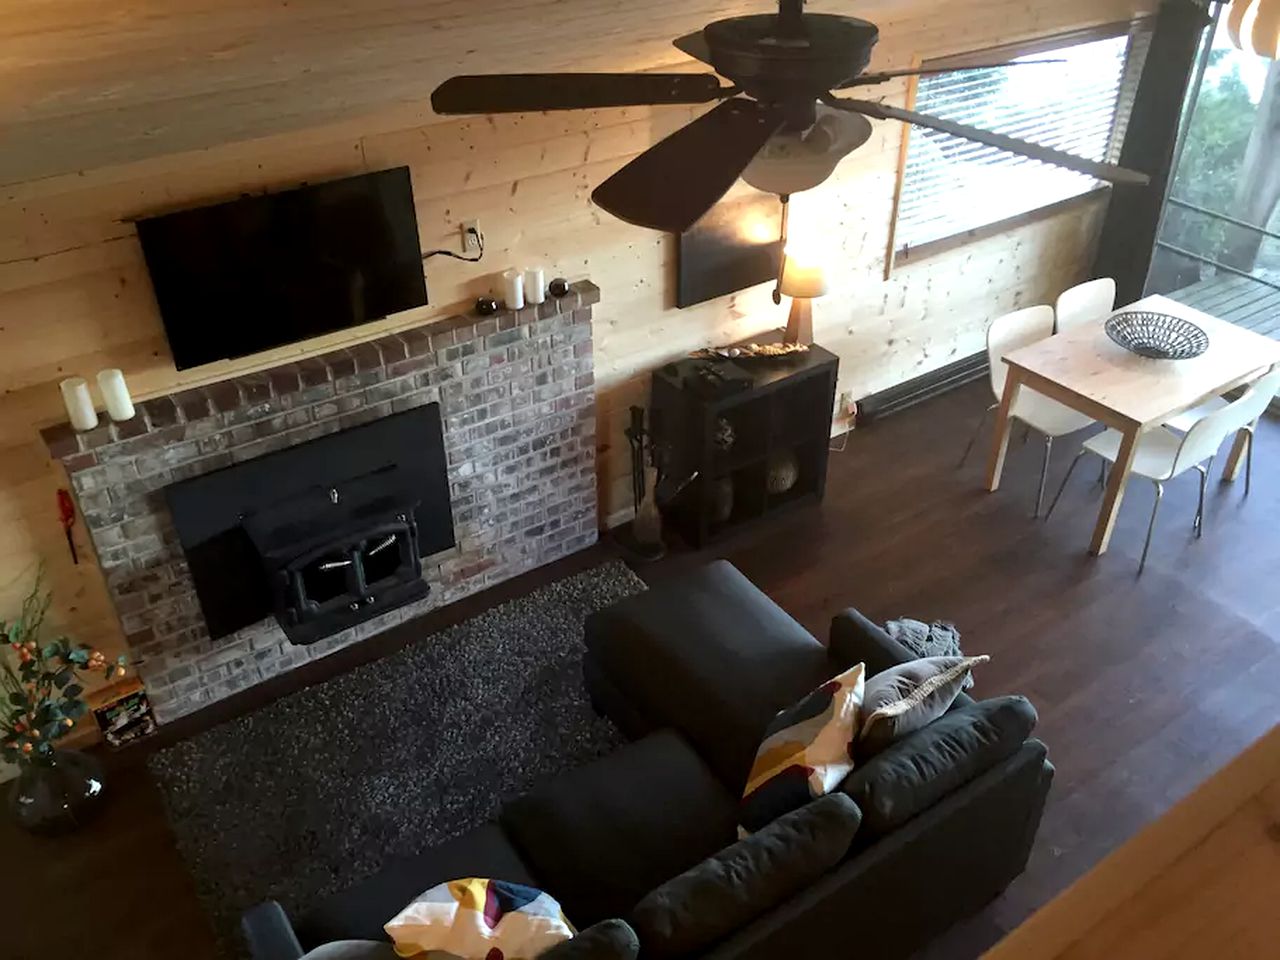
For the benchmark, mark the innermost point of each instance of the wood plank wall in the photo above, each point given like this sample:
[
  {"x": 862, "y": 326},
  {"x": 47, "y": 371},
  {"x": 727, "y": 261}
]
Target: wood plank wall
[{"x": 114, "y": 110}]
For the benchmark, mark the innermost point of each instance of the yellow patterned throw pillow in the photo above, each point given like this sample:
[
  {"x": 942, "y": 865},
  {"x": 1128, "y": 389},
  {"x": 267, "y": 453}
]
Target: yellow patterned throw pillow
[
  {"x": 807, "y": 751},
  {"x": 477, "y": 919}
]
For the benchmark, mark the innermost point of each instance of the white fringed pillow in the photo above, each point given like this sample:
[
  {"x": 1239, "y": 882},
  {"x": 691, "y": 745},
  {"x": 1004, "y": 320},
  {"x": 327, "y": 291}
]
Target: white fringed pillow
[{"x": 906, "y": 697}]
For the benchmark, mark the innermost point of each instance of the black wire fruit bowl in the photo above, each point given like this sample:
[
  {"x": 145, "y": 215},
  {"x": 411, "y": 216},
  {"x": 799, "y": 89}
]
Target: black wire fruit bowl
[{"x": 1158, "y": 336}]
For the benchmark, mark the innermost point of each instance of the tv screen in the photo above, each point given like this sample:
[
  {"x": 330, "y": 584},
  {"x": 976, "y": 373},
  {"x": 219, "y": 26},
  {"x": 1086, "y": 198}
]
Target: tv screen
[{"x": 259, "y": 272}]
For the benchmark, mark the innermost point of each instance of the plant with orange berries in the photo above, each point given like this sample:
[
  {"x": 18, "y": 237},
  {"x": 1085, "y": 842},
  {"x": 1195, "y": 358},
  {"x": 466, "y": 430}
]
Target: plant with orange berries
[{"x": 42, "y": 696}]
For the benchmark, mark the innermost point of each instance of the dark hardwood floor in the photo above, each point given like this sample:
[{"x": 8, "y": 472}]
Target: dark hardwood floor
[{"x": 1145, "y": 685}]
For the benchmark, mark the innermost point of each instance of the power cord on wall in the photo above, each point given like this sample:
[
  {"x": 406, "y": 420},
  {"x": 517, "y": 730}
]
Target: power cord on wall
[{"x": 458, "y": 256}]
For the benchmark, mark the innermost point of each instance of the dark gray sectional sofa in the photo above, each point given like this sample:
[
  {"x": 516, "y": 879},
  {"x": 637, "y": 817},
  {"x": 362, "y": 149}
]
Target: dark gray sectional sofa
[{"x": 692, "y": 671}]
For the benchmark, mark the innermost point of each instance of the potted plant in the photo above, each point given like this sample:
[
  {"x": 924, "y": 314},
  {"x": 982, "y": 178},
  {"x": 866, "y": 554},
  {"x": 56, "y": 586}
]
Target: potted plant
[{"x": 56, "y": 789}]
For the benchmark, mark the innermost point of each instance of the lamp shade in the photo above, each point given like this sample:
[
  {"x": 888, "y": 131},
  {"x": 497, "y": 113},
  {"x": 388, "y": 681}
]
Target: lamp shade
[
  {"x": 801, "y": 279},
  {"x": 1254, "y": 26}
]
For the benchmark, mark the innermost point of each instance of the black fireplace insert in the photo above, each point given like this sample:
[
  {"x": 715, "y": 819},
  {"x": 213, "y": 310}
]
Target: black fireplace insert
[{"x": 325, "y": 534}]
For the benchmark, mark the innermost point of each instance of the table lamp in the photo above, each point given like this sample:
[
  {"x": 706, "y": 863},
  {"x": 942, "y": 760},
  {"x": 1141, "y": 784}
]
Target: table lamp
[{"x": 802, "y": 279}]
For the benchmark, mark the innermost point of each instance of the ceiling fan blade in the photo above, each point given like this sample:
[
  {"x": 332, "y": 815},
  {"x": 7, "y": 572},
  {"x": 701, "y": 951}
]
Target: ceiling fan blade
[
  {"x": 695, "y": 45},
  {"x": 1094, "y": 168},
  {"x": 881, "y": 76},
  {"x": 517, "y": 92},
  {"x": 678, "y": 179}
]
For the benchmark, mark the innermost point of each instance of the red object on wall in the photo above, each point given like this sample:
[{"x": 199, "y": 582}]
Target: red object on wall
[{"x": 67, "y": 514}]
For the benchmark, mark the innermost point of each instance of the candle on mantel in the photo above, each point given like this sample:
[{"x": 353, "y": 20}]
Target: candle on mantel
[
  {"x": 513, "y": 289},
  {"x": 535, "y": 286},
  {"x": 115, "y": 394},
  {"x": 75, "y": 394}
]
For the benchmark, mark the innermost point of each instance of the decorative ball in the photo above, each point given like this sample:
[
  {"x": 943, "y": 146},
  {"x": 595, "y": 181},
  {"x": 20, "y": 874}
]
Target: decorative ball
[
  {"x": 558, "y": 287},
  {"x": 783, "y": 472},
  {"x": 485, "y": 306},
  {"x": 720, "y": 499}
]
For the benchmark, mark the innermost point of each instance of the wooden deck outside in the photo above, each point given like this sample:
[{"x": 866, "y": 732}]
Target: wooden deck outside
[{"x": 1239, "y": 300}]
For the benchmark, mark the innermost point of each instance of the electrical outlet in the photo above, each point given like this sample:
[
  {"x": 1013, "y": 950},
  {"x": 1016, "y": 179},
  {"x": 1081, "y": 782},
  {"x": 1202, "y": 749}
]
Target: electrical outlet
[{"x": 470, "y": 236}]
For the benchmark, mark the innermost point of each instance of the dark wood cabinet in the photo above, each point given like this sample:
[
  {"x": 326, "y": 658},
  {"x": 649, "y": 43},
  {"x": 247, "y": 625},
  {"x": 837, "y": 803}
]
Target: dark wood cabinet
[{"x": 755, "y": 440}]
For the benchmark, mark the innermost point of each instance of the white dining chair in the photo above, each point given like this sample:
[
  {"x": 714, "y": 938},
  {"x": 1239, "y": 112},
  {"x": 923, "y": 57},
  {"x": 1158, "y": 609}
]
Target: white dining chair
[
  {"x": 1084, "y": 302},
  {"x": 1161, "y": 456},
  {"x": 1048, "y": 417}
]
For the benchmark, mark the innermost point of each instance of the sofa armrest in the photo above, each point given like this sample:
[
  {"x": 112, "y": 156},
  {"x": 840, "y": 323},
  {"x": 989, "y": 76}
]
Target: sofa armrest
[
  {"x": 855, "y": 639},
  {"x": 269, "y": 933}
]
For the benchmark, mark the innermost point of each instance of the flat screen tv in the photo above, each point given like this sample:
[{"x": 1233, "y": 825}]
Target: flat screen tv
[{"x": 263, "y": 271}]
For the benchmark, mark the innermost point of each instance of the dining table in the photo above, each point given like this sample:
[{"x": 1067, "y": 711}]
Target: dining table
[{"x": 1084, "y": 369}]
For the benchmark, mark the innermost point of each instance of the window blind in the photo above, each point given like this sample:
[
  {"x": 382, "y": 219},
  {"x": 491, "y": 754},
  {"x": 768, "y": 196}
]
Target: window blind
[{"x": 951, "y": 186}]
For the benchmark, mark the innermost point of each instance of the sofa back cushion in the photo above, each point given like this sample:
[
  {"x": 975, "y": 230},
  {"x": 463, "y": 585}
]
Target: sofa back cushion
[
  {"x": 600, "y": 837},
  {"x": 353, "y": 950},
  {"x": 606, "y": 940},
  {"x": 731, "y": 888},
  {"x": 914, "y": 773}
]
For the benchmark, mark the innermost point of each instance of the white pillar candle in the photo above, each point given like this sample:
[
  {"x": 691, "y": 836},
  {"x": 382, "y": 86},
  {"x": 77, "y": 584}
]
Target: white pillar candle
[
  {"x": 513, "y": 289},
  {"x": 535, "y": 287},
  {"x": 75, "y": 394},
  {"x": 115, "y": 394}
]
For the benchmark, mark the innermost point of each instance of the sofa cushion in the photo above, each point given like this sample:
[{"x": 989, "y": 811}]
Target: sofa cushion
[
  {"x": 731, "y": 888},
  {"x": 361, "y": 911},
  {"x": 807, "y": 750},
  {"x": 602, "y": 836},
  {"x": 711, "y": 656},
  {"x": 913, "y": 774},
  {"x": 606, "y": 940},
  {"x": 353, "y": 950},
  {"x": 906, "y": 697}
]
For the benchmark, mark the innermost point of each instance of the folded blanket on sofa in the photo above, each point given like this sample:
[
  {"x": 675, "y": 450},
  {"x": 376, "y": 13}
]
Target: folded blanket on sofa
[{"x": 936, "y": 639}]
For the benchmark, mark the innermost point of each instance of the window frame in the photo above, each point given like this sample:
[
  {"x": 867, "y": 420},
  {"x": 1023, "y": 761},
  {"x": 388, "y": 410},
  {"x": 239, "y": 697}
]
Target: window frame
[{"x": 1137, "y": 30}]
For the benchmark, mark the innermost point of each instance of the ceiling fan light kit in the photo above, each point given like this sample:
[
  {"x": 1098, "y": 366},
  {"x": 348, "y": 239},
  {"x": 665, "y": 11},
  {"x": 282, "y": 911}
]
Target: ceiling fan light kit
[
  {"x": 1254, "y": 26},
  {"x": 777, "y": 124},
  {"x": 792, "y": 162}
]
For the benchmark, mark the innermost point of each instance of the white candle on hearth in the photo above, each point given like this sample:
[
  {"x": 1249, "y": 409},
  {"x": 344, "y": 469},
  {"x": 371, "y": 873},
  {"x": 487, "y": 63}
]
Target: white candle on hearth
[
  {"x": 75, "y": 394},
  {"x": 513, "y": 289},
  {"x": 535, "y": 286},
  {"x": 115, "y": 394}
]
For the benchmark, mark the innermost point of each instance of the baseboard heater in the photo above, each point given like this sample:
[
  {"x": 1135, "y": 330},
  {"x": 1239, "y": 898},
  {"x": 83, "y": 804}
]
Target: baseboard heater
[{"x": 931, "y": 384}]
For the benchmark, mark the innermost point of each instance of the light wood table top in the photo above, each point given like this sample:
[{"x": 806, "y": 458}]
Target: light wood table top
[
  {"x": 1202, "y": 881},
  {"x": 1121, "y": 389},
  {"x": 1083, "y": 369}
]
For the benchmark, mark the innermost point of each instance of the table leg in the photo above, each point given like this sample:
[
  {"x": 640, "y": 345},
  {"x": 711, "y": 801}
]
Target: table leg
[
  {"x": 1232, "y": 468},
  {"x": 1115, "y": 492},
  {"x": 1000, "y": 437}
]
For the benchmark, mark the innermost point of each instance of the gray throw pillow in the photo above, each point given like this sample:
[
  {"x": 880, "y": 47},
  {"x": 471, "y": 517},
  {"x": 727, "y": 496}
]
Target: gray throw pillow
[
  {"x": 744, "y": 880},
  {"x": 606, "y": 940},
  {"x": 906, "y": 697},
  {"x": 353, "y": 950},
  {"x": 908, "y": 777}
]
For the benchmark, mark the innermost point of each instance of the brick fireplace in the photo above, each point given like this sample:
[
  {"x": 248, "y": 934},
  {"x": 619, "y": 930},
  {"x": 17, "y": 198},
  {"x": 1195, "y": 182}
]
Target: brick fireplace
[{"x": 516, "y": 398}]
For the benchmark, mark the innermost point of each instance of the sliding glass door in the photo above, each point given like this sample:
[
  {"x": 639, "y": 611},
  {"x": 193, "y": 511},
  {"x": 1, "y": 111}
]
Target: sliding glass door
[{"x": 1219, "y": 242}]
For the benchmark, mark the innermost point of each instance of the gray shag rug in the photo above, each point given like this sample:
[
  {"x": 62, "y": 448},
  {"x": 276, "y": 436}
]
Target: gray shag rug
[{"x": 321, "y": 788}]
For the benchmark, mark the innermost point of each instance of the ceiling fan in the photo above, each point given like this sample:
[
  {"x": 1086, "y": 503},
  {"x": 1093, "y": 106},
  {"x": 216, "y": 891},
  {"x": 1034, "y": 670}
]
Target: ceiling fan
[{"x": 778, "y": 113}]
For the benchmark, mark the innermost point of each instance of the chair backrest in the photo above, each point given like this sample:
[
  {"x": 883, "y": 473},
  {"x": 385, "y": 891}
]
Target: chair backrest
[
  {"x": 1206, "y": 435},
  {"x": 1084, "y": 302},
  {"x": 1011, "y": 331}
]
